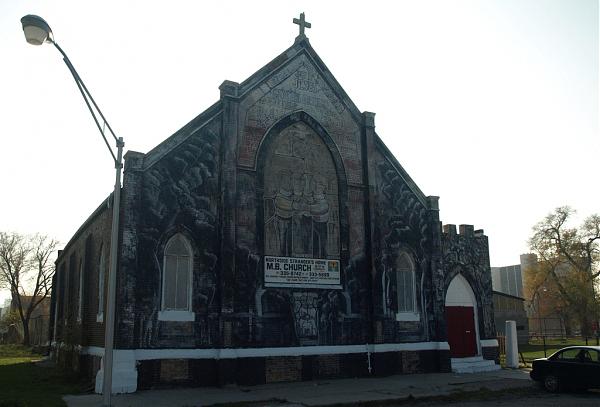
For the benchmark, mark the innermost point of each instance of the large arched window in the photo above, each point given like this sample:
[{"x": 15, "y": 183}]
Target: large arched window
[
  {"x": 177, "y": 280},
  {"x": 405, "y": 287}
]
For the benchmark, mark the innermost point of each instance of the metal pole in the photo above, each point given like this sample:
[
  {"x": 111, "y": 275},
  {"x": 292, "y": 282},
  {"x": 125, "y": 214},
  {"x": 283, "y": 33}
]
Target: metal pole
[{"x": 109, "y": 328}]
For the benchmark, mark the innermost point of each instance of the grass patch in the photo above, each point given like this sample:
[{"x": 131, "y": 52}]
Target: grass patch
[
  {"x": 535, "y": 348},
  {"x": 25, "y": 384},
  {"x": 13, "y": 351}
]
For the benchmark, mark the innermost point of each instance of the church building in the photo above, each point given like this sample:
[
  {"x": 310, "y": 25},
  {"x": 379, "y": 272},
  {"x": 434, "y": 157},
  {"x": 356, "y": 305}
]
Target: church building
[{"x": 274, "y": 238}]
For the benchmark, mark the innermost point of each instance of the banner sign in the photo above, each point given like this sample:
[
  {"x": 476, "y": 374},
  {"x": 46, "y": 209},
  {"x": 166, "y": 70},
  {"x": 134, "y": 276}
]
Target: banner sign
[{"x": 302, "y": 272}]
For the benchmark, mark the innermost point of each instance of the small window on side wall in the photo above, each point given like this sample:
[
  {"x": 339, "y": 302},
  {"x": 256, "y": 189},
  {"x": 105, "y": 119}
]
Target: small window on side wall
[
  {"x": 80, "y": 299},
  {"x": 405, "y": 284},
  {"x": 177, "y": 281}
]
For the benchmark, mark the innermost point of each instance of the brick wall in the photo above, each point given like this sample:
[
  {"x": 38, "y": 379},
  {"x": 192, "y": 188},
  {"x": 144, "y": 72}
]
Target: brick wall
[
  {"x": 283, "y": 369},
  {"x": 82, "y": 250},
  {"x": 261, "y": 370}
]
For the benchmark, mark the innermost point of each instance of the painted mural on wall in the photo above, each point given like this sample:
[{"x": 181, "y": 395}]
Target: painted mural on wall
[
  {"x": 180, "y": 195},
  {"x": 301, "y": 197},
  {"x": 402, "y": 229},
  {"x": 299, "y": 86},
  {"x": 300, "y": 206},
  {"x": 301, "y": 221}
]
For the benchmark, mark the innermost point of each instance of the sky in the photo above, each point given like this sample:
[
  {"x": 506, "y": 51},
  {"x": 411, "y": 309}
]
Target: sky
[{"x": 491, "y": 105}]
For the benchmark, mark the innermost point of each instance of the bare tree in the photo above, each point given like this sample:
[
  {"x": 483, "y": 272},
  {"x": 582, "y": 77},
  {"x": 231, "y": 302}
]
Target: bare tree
[
  {"x": 26, "y": 269},
  {"x": 569, "y": 258}
]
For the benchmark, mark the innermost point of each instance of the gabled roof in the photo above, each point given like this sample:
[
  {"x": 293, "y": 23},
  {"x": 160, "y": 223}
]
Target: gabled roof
[
  {"x": 195, "y": 125},
  {"x": 300, "y": 47}
]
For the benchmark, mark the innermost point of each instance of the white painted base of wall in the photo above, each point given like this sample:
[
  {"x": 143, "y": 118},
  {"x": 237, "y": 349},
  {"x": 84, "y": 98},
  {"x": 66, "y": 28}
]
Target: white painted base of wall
[
  {"x": 235, "y": 353},
  {"x": 124, "y": 379},
  {"x": 125, "y": 361}
]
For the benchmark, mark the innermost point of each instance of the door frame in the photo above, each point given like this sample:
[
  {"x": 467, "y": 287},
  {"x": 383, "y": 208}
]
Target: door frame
[{"x": 460, "y": 294}]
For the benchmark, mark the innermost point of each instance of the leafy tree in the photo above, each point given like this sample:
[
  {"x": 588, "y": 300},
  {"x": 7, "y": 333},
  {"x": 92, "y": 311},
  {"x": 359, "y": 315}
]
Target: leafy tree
[
  {"x": 26, "y": 270},
  {"x": 568, "y": 265}
]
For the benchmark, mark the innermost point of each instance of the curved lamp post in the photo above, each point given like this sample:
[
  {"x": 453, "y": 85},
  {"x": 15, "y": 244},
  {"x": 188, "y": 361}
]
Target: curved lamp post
[{"x": 37, "y": 32}]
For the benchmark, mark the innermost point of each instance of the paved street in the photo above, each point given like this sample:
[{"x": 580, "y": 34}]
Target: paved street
[
  {"x": 536, "y": 398},
  {"x": 401, "y": 388},
  {"x": 501, "y": 388}
]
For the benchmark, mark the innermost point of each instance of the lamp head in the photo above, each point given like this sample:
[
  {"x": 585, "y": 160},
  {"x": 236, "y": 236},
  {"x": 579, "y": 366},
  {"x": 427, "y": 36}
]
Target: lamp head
[{"x": 36, "y": 29}]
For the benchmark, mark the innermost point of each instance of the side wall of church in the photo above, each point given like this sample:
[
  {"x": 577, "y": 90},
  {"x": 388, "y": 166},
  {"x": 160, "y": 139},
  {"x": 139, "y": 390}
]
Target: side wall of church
[{"x": 86, "y": 253}]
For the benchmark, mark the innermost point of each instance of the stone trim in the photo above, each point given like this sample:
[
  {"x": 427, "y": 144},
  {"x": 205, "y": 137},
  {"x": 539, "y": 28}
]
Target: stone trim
[
  {"x": 408, "y": 316},
  {"x": 181, "y": 316}
]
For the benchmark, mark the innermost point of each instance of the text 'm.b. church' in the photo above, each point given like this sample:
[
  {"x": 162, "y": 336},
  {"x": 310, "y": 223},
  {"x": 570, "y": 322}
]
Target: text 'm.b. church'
[{"x": 274, "y": 238}]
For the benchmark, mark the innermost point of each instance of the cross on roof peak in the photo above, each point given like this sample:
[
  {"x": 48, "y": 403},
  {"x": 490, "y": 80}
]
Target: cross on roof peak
[{"x": 302, "y": 23}]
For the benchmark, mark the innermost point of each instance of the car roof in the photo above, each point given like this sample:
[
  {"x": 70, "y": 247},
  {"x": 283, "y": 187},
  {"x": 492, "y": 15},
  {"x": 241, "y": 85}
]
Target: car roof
[
  {"x": 581, "y": 347},
  {"x": 589, "y": 347}
]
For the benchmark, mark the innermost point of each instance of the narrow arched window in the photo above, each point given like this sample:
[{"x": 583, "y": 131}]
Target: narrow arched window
[
  {"x": 80, "y": 299},
  {"x": 177, "y": 275},
  {"x": 405, "y": 283},
  {"x": 101, "y": 278}
]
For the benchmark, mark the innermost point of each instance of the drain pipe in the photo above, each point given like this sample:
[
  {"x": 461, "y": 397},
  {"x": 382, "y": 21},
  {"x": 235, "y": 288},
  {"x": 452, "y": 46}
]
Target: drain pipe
[{"x": 369, "y": 358}]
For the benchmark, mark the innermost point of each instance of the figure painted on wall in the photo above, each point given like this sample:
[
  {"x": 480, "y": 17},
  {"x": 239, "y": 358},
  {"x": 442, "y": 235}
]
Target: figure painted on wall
[
  {"x": 331, "y": 311},
  {"x": 301, "y": 194}
]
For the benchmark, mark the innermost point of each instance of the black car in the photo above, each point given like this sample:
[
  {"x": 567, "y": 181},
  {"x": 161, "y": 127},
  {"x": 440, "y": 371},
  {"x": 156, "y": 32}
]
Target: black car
[{"x": 573, "y": 366}]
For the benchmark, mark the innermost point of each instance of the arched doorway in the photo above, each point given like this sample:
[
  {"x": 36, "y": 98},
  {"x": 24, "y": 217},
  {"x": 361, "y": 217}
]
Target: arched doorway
[{"x": 461, "y": 318}]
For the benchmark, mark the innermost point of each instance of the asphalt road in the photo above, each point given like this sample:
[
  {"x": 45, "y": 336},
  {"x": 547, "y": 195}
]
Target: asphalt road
[{"x": 534, "y": 397}]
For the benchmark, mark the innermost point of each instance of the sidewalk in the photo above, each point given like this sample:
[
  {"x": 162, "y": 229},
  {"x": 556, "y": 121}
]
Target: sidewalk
[{"x": 318, "y": 393}]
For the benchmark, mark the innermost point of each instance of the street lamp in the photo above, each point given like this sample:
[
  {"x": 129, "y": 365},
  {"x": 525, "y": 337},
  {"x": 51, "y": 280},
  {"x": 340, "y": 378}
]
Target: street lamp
[{"x": 37, "y": 32}]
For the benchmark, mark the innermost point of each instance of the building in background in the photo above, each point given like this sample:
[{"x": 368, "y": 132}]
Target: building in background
[
  {"x": 509, "y": 303},
  {"x": 511, "y": 308},
  {"x": 5, "y": 308},
  {"x": 508, "y": 280}
]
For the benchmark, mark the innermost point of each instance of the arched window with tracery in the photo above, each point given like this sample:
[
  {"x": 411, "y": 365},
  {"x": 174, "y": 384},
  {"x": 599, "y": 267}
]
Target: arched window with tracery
[{"x": 177, "y": 280}]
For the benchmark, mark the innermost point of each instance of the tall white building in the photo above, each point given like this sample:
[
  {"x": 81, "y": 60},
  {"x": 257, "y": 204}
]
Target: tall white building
[{"x": 508, "y": 280}]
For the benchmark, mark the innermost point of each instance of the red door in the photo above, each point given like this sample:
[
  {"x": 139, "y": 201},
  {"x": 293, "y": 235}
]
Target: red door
[{"x": 461, "y": 331}]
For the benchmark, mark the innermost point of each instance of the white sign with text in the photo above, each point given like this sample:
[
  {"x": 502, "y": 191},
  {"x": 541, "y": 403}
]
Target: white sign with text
[{"x": 301, "y": 272}]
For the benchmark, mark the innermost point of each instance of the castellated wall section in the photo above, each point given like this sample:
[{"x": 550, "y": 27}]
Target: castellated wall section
[{"x": 467, "y": 253}]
